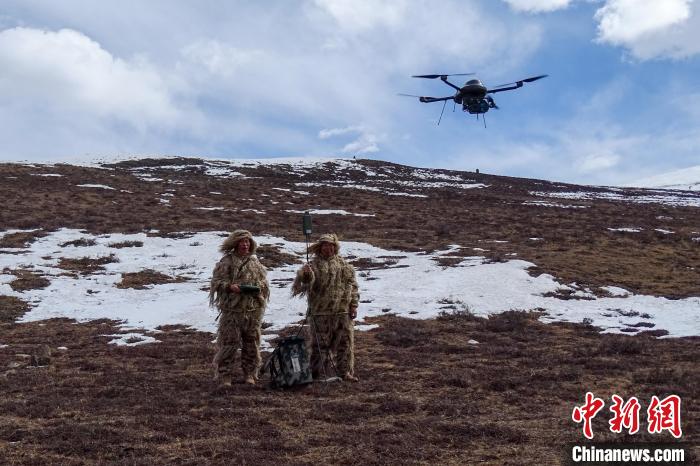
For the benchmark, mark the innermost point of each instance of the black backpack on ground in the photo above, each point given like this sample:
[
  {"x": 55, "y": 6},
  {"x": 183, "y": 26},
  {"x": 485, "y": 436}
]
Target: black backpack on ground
[{"x": 289, "y": 363}]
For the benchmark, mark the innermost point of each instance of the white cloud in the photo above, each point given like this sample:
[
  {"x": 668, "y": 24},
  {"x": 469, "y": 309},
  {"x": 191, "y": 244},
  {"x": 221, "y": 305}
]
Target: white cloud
[
  {"x": 358, "y": 15},
  {"x": 257, "y": 86},
  {"x": 220, "y": 58},
  {"x": 536, "y": 6},
  {"x": 418, "y": 34},
  {"x": 650, "y": 28},
  {"x": 624, "y": 21},
  {"x": 67, "y": 71},
  {"x": 597, "y": 162},
  {"x": 329, "y": 133},
  {"x": 365, "y": 142}
]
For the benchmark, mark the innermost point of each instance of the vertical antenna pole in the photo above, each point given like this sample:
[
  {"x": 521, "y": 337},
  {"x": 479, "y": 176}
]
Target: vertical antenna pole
[{"x": 306, "y": 229}]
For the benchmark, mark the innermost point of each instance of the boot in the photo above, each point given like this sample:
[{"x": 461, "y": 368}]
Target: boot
[
  {"x": 348, "y": 377},
  {"x": 249, "y": 380},
  {"x": 225, "y": 380}
]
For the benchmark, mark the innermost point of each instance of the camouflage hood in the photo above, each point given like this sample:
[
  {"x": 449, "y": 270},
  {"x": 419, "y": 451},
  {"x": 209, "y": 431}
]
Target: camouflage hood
[
  {"x": 327, "y": 238},
  {"x": 229, "y": 245}
]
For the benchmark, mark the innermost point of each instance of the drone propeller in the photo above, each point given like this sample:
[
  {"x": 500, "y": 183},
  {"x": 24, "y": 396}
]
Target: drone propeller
[
  {"x": 442, "y": 76},
  {"x": 427, "y": 100},
  {"x": 527, "y": 80}
]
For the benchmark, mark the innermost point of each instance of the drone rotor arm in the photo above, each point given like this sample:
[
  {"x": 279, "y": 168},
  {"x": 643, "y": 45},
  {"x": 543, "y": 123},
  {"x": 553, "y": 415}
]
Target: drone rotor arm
[
  {"x": 501, "y": 89},
  {"x": 427, "y": 100},
  {"x": 435, "y": 76},
  {"x": 443, "y": 78}
]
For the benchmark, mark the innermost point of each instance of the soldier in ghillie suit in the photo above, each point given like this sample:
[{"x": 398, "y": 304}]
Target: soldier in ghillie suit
[
  {"x": 329, "y": 282},
  {"x": 239, "y": 289}
]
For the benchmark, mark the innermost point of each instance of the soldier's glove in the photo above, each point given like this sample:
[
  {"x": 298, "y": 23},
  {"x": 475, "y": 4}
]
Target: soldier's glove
[{"x": 253, "y": 290}]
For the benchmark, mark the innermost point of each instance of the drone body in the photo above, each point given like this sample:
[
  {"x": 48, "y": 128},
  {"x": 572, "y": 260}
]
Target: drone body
[{"x": 474, "y": 96}]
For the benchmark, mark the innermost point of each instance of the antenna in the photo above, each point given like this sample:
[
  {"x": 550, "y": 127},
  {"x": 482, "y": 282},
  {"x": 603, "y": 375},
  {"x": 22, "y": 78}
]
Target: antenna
[
  {"x": 306, "y": 229},
  {"x": 444, "y": 102}
]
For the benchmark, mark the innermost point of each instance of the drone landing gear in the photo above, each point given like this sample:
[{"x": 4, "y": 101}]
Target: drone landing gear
[{"x": 443, "y": 111}]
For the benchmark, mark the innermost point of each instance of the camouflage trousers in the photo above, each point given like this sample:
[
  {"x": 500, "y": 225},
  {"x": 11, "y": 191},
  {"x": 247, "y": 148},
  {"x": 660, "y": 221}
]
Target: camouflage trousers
[
  {"x": 238, "y": 330},
  {"x": 334, "y": 334}
]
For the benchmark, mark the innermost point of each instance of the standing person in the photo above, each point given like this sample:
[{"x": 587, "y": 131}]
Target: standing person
[
  {"x": 239, "y": 289},
  {"x": 329, "y": 283}
]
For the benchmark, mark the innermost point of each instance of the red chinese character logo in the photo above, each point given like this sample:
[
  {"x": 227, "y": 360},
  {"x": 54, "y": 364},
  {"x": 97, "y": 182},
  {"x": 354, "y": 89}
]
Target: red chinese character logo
[
  {"x": 626, "y": 415},
  {"x": 587, "y": 412},
  {"x": 665, "y": 415}
]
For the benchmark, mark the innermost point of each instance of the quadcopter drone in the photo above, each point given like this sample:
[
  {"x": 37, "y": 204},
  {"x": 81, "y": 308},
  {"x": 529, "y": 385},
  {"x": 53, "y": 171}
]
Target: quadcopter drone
[{"x": 474, "y": 96}]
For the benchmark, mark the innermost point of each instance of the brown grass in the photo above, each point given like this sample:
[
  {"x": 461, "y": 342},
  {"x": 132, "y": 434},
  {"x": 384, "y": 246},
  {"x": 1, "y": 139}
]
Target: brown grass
[
  {"x": 273, "y": 257},
  {"x": 21, "y": 239},
  {"x": 575, "y": 245},
  {"x": 80, "y": 242},
  {"x": 27, "y": 280},
  {"x": 426, "y": 396},
  {"x": 143, "y": 279},
  {"x": 86, "y": 265},
  {"x": 365, "y": 263},
  {"x": 11, "y": 308},
  {"x": 126, "y": 244}
]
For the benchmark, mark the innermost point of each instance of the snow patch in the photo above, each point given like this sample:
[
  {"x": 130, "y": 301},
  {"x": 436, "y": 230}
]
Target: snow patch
[
  {"x": 616, "y": 291},
  {"x": 131, "y": 339},
  {"x": 549, "y": 204},
  {"x": 416, "y": 286},
  {"x": 98, "y": 186},
  {"x": 661, "y": 197},
  {"x": 626, "y": 229},
  {"x": 329, "y": 212}
]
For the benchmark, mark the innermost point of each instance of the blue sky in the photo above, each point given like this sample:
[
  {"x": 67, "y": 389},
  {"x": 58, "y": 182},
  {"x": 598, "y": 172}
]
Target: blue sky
[{"x": 320, "y": 78}]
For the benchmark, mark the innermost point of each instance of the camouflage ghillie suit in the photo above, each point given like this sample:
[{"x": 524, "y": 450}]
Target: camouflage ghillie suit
[
  {"x": 240, "y": 314},
  {"x": 332, "y": 292}
]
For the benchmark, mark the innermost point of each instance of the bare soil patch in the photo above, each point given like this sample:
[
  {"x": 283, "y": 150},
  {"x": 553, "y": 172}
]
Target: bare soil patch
[
  {"x": 21, "y": 239},
  {"x": 273, "y": 257},
  {"x": 11, "y": 308},
  {"x": 365, "y": 263},
  {"x": 27, "y": 280},
  {"x": 126, "y": 244},
  {"x": 143, "y": 279},
  {"x": 80, "y": 242},
  {"x": 86, "y": 265}
]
